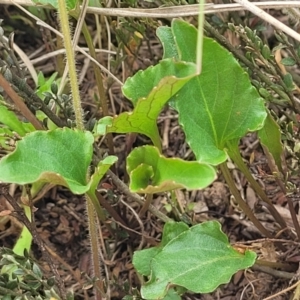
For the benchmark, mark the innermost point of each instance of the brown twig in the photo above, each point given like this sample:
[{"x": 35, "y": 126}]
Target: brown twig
[
  {"x": 123, "y": 188},
  {"x": 31, "y": 98},
  {"x": 20, "y": 103}
]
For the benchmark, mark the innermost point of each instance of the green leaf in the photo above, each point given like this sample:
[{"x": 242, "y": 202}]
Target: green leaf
[
  {"x": 218, "y": 105},
  {"x": 100, "y": 171},
  {"x": 24, "y": 240},
  {"x": 149, "y": 91},
  {"x": 61, "y": 156},
  {"x": 5, "y": 136},
  {"x": 270, "y": 138},
  {"x": 289, "y": 81},
  {"x": 172, "y": 295},
  {"x": 44, "y": 84},
  {"x": 288, "y": 61},
  {"x": 151, "y": 172},
  {"x": 142, "y": 259},
  {"x": 266, "y": 52},
  {"x": 167, "y": 39},
  {"x": 37, "y": 271},
  {"x": 198, "y": 259},
  {"x": 10, "y": 119}
]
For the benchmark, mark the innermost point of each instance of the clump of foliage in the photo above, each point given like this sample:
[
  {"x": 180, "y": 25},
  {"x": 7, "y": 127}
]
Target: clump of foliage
[
  {"x": 216, "y": 108},
  {"x": 22, "y": 279}
]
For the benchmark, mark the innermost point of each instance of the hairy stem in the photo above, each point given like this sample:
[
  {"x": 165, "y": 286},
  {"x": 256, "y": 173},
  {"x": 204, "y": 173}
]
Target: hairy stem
[
  {"x": 92, "y": 206},
  {"x": 70, "y": 56},
  {"x": 93, "y": 225}
]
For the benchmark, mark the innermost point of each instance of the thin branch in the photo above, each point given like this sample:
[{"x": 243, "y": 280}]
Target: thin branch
[
  {"x": 123, "y": 188},
  {"x": 20, "y": 103},
  {"x": 269, "y": 19},
  {"x": 77, "y": 48},
  {"x": 32, "y": 98},
  {"x": 170, "y": 12}
]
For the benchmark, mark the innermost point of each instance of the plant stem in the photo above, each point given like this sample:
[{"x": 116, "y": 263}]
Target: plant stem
[
  {"x": 235, "y": 155},
  {"x": 70, "y": 56},
  {"x": 146, "y": 205},
  {"x": 93, "y": 225},
  {"x": 200, "y": 36},
  {"x": 243, "y": 205},
  {"x": 91, "y": 203}
]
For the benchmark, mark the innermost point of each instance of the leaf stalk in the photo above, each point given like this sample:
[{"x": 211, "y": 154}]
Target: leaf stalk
[{"x": 243, "y": 205}]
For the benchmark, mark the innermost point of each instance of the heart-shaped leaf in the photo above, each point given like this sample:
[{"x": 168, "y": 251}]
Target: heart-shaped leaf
[
  {"x": 218, "y": 105},
  {"x": 149, "y": 91},
  {"x": 61, "y": 156},
  {"x": 151, "y": 172},
  {"x": 199, "y": 258}
]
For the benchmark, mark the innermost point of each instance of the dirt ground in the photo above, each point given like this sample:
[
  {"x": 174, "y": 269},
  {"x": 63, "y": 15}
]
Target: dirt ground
[{"x": 61, "y": 217}]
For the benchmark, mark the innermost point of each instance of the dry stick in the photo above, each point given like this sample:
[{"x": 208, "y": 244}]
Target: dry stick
[
  {"x": 75, "y": 275},
  {"x": 283, "y": 291},
  {"x": 122, "y": 187},
  {"x": 186, "y": 10},
  {"x": 48, "y": 55},
  {"x": 36, "y": 237},
  {"x": 275, "y": 265},
  {"x": 243, "y": 205},
  {"x": 273, "y": 272},
  {"x": 291, "y": 208},
  {"x": 100, "y": 84},
  {"x": 170, "y": 12},
  {"x": 33, "y": 99},
  {"x": 112, "y": 212},
  {"x": 20, "y": 103}
]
